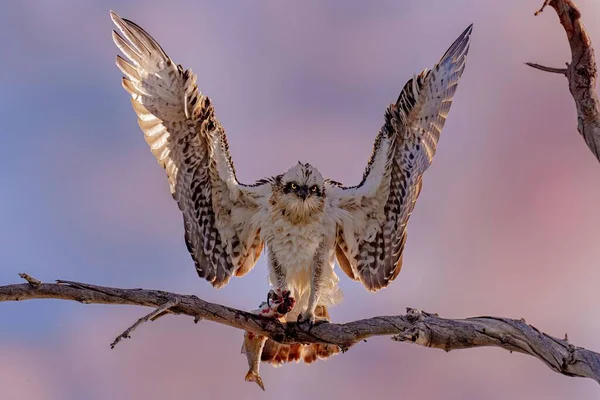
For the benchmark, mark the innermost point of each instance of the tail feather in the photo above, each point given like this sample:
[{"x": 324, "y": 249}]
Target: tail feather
[{"x": 278, "y": 354}]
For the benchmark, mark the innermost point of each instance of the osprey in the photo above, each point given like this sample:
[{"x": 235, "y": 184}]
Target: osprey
[{"x": 306, "y": 222}]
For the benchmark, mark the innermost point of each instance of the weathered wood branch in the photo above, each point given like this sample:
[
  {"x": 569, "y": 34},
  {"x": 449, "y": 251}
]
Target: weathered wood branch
[
  {"x": 153, "y": 316},
  {"x": 415, "y": 326},
  {"x": 580, "y": 72}
]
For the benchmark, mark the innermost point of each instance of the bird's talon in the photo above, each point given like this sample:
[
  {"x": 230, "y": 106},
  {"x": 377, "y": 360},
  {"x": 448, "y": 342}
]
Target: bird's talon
[
  {"x": 311, "y": 320},
  {"x": 279, "y": 302},
  {"x": 305, "y": 318},
  {"x": 271, "y": 295}
]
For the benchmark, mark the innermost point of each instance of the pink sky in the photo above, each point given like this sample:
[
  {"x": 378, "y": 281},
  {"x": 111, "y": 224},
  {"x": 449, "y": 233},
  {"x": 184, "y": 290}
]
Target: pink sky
[{"x": 505, "y": 224}]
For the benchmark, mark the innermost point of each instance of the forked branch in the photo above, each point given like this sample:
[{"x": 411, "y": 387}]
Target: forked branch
[
  {"x": 580, "y": 72},
  {"x": 154, "y": 315},
  {"x": 415, "y": 326}
]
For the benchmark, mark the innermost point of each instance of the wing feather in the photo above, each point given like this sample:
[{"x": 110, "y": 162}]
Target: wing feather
[
  {"x": 184, "y": 135},
  {"x": 372, "y": 231}
]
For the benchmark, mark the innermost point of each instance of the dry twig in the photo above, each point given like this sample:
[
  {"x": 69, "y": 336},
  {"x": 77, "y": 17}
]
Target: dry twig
[{"x": 154, "y": 315}]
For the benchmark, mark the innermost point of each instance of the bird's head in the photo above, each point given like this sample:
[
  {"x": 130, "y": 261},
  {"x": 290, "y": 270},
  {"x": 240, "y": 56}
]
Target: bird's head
[{"x": 300, "y": 191}]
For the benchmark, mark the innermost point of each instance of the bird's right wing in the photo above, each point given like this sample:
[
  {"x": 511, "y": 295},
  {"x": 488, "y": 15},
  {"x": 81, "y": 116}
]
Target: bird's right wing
[{"x": 188, "y": 141}]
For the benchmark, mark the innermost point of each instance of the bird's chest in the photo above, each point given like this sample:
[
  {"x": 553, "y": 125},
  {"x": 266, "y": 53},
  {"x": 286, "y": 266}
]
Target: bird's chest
[{"x": 294, "y": 245}]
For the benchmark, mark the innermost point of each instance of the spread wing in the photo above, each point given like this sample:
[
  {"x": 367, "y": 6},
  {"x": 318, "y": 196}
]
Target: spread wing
[
  {"x": 372, "y": 234},
  {"x": 180, "y": 126}
]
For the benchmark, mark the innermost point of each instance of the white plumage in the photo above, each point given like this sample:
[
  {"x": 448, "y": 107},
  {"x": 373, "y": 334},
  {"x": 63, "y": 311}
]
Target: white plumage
[{"x": 307, "y": 222}]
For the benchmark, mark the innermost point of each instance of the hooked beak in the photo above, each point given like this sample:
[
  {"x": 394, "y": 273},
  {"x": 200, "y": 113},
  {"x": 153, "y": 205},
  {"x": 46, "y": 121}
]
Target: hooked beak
[{"x": 303, "y": 192}]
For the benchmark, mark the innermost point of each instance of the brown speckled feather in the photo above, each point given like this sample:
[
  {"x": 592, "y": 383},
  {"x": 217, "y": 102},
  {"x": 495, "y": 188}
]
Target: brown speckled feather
[
  {"x": 183, "y": 133},
  {"x": 371, "y": 237}
]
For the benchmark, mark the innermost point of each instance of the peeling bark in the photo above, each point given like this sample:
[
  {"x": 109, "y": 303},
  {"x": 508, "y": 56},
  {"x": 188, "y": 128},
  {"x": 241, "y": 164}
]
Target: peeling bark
[
  {"x": 581, "y": 72},
  {"x": 418, "y": 327}
]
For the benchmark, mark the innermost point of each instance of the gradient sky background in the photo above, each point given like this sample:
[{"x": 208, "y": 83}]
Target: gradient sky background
[{"x": 505, "y": 225}]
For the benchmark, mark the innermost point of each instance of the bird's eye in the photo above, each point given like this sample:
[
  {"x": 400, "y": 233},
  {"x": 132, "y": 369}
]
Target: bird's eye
[
  {"x": 314, "y": 188},
  {"x": 293, "y": 186}
]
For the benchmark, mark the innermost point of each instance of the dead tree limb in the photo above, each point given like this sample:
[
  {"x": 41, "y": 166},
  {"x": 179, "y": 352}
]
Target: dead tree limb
[
  {"x": 580, "y": 72},
  {"x": 415, "y": 326}
]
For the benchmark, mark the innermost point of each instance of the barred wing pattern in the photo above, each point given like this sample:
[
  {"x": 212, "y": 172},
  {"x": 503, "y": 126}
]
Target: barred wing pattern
[
  {"x": 180, "y": 126},
  {"x": 371, "y": 237}
]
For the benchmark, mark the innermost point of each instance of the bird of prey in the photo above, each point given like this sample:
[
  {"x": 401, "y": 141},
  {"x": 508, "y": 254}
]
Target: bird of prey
[{"x": 306, "y": 222}]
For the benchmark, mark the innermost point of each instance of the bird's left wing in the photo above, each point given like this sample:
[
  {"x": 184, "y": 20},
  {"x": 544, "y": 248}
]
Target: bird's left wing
[
  {"x": 372, "y": 231},
  {"x": 188, "y": 141}
]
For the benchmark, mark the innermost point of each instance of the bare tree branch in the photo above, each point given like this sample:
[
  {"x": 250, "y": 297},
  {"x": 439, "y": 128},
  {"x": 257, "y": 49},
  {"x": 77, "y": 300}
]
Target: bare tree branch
[
  {"x": 415, "y": 326},
  {"x": 581, "y": 72}
]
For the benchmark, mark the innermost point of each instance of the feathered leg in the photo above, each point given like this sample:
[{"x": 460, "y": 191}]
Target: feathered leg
[
  {"x": 280, "y": 296},
  {"x": 319, "y": 262}
]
